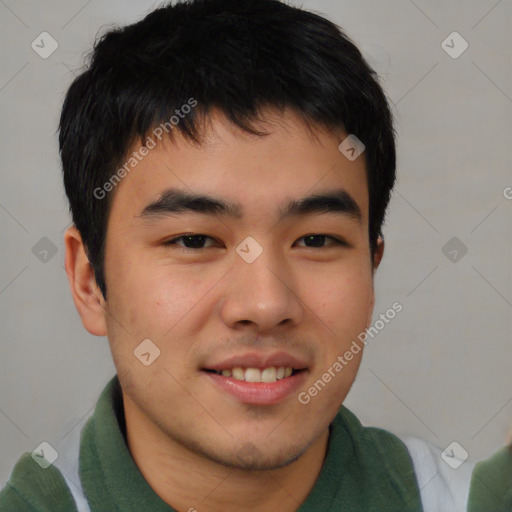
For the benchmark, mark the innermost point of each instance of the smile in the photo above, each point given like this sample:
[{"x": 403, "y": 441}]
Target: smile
[{"x": 270, "y": 374}]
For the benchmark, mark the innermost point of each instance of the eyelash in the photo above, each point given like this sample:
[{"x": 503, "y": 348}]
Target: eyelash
[{"x": 336, "y": 241}]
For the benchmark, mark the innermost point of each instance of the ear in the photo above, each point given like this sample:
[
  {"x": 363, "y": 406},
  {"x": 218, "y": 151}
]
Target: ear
[
  {"x": 377, "y": 258},
  {"x": 87, "y": 296},
  {"x": 379, "y": 253}
]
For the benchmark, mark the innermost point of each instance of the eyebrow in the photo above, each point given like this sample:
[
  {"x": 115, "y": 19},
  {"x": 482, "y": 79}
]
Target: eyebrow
[{"x": 175, "y": 201}]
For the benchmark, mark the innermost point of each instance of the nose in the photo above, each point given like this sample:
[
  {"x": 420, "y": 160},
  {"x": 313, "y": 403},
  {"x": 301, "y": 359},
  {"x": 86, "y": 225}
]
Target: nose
[{"x": 262, "y": 295}]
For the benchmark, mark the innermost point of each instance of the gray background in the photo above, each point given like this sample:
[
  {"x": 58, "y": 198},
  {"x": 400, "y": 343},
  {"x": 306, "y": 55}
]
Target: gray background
[{"x": 441, "y": 370}]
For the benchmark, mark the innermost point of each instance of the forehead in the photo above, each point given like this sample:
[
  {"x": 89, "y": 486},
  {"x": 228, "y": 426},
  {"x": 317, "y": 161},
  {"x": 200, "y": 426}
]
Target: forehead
[{"x": 260, "y": 175}]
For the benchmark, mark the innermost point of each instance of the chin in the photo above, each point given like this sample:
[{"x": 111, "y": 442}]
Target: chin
[
  {"x": 254, "y": 457},
  {"x": 250, "y": 458}
]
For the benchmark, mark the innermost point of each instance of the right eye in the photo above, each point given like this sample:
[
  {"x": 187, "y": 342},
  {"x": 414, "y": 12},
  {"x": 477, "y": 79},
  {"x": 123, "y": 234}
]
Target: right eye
[{"x": 190, "y": 241}]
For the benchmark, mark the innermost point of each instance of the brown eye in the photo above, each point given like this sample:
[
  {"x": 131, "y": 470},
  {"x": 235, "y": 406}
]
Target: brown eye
[
  {"x": 316, "y": 241},
  {"x": 190, "y": 241}
]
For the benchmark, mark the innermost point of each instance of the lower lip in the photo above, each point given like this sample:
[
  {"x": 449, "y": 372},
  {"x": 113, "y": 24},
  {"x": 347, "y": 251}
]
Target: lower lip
[{"x": 259, "y": 393}]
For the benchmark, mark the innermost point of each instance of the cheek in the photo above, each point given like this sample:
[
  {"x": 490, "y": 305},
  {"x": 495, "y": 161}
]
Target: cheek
[{"x": 344, "y": 303}]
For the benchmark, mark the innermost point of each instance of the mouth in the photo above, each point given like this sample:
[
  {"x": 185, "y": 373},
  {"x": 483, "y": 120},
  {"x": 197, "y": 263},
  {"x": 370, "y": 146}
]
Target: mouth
[
  {"x": 262, "y": 375},
  {"x": 258, "y": 379}
]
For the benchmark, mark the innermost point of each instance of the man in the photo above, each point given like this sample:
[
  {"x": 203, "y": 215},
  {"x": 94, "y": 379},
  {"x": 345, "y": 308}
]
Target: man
[{"x": 228, "y": 166}]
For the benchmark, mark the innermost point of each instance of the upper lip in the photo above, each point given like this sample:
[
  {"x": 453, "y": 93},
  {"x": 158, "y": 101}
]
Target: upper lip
[{"x": 258, "y": 360}]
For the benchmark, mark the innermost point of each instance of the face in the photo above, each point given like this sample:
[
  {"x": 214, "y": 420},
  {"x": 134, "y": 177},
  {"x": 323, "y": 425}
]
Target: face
[{"x": 265, "y": 284}]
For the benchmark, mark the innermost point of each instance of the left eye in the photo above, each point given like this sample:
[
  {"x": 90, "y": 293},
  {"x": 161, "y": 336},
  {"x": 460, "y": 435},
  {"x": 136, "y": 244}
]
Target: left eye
[
  {"x": 197, "y": 241},
  {"x": 317, "y": 240}
]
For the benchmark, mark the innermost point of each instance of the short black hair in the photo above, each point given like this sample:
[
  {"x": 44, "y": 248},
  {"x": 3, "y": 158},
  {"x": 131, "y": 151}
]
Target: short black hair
[{"x": 232, "y": 55}]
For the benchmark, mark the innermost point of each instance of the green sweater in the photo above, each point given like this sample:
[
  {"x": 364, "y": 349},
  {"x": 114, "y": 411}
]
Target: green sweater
[{"x": 366, "y": 469}]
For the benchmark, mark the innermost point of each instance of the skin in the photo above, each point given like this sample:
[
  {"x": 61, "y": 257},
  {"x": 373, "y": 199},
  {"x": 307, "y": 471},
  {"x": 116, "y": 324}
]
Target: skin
[{"x": 185, "y": 434}]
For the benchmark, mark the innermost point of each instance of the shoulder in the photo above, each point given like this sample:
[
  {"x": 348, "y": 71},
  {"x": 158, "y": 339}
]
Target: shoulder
[
  {"x": 441, "y": 488},
  {"x": 380, "y": 459},
  {"x": 34, "y": 489}
]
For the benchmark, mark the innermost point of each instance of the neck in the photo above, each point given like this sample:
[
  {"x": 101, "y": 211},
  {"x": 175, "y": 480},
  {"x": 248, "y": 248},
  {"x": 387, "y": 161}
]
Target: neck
[{"x": 187, "y": 481}]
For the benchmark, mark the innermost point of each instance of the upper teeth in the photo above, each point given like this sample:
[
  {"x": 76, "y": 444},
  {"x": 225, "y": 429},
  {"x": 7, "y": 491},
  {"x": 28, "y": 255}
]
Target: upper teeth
[{"x": 270, "y": 374}]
